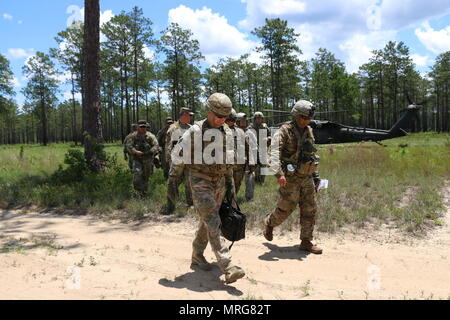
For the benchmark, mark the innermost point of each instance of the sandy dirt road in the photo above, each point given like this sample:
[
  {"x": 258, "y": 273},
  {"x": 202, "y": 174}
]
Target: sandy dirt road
[{"x": 47, "y": 256}]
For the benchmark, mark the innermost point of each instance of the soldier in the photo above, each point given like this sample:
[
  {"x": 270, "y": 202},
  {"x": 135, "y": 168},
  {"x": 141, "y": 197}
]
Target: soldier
[
  {"x": 143, "y": 146},
  {"x": 239, "y": 169},
  {"x": 210, "y": 183},
  {"x": 173, "y": 134},
  {"x": 297, "y": 175},
  {"x": 249, "y": 176},
  {"x": 257, "y": 125},
  {"x": 126, "y": 155},
  {"x": 161, "y": 136}
]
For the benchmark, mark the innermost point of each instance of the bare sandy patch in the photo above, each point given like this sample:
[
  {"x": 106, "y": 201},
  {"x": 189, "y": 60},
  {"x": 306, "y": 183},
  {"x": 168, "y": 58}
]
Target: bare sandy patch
[{"x": 48, "y": 256}]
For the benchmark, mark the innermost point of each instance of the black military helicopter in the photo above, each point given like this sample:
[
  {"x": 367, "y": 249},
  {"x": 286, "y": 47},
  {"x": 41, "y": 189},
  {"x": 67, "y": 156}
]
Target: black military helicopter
[{"x": 328, "y": 132}]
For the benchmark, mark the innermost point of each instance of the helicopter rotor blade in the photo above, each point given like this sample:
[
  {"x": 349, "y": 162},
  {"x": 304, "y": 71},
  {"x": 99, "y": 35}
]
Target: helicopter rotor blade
[{"x": 320, "y": 112}]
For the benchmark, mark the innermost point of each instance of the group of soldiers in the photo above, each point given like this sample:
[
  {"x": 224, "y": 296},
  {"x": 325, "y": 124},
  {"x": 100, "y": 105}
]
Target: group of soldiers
[{"x": 294, "y": 163}]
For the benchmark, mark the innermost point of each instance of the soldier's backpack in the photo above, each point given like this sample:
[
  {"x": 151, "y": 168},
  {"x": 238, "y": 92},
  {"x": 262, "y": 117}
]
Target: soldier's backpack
[{"x": 233, "y": 222}]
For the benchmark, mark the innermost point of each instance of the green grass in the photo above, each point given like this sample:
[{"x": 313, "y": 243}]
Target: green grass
[
  {"x": 31, "y": 181},
  {"x": 367, "y": 184},
  {"x": 21, "y": 245}
]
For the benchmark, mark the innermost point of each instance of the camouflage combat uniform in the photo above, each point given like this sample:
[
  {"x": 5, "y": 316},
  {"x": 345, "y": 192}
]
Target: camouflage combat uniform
[
  {"x": 300, "y": 187},
  {"x": 161, "y": 137},
  {"x": 259, "y": 178},
  {"x": 127, "y": 155},
  {"x": 142, "y": 165},
  {"x": 248, "y": 165},
  {"x": 208, "y": 190},
  {"x": 249, "y": 175},
  {"x": 210, "y": 183},
  {"x": 174, "y": 133}
]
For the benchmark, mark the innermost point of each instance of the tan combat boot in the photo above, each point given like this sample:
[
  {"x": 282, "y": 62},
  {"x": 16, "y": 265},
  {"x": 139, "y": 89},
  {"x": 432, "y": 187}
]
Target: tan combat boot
[
  {"x": 308, "y": 246},
  {"x": 268, "y": 232},
  {"x": 233, "y": 274},
  {"x": 200, "y": 261}
]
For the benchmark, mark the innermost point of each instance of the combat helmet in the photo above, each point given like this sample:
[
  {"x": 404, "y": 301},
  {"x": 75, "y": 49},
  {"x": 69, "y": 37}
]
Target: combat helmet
[
  {"x": 258, "y": 114},
  {"x": 169, "y": 120},
  {"x": 220, "y": 104},
  {"x": 233, "y": 115},
  {"x": 186, "y": 110},
  {"x": 303, "y": 108},
  {"x": 143, "y": 123}
]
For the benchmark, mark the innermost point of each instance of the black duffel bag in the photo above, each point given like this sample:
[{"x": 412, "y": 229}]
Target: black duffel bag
[{"x": 233, "y": 222}]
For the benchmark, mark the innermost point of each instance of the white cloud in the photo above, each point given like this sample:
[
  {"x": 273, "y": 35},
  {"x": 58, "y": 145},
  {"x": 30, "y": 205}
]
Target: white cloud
[
  {"x": 7, "y": 16},
  {"x": 358, "y": 49},
  {"x": 420, "y": 61},
  {"x": 77, "y": 14},
  {"x": 406, "y": 13},
  {"x": 362, "y": 15},
  {"x": 216, "y": 36},
  {"x": 165, "y": 98},
  {"x": 281, "y": 7},
  {"x": 306, "y": 41},
  {"x": 63, "y": 77},
  {"x": 67, "y": 95},
  {"x": 351, "y": 29},
  {"x": 149, "y": 53},
  {"x": 255, "y": 57},
  {"x": 19, "y": 22},
  {"x": 105, "y": 16},
  {"x": 19, "y": 53},
  {"x": 437, "y": 41},
  {"x": 16, "y": 82},
  {"x": 257, "y": 10}
]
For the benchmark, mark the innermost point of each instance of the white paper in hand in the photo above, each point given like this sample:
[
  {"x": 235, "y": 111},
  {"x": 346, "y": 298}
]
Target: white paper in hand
[{"x": 323, "y": 184}]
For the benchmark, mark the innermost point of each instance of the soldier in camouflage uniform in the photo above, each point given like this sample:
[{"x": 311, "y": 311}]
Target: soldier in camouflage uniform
[
  {"x": 210, "y": 183},
  {"x": 128, "y": 157},
  {"x": 257, "y": 125},
  {"x": 161, "y": 136},
  {"x": 296, "y": 166},
  {"x": 143, "y": 146},
  {"x": 173, "y": 135},
  {"x": 240, "y": 138},
  {"x": 252, "y": 144}
]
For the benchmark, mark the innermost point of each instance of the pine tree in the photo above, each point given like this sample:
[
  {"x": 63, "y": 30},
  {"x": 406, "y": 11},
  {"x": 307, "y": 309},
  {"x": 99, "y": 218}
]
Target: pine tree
[{"x": 41, "y": 88}]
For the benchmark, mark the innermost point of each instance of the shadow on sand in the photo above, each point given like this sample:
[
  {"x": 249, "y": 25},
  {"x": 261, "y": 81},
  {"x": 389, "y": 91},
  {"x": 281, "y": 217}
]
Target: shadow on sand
[
  {"x": 281, "y": 253},
  {"x": 201, "y": 281}
]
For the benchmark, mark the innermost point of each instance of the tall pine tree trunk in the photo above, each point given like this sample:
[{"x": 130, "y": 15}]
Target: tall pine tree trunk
[{"x": 92, "y": 78}]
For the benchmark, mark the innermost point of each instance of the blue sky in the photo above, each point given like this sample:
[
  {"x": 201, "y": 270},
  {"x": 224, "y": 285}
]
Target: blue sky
[{"x": 348, "y": 28}]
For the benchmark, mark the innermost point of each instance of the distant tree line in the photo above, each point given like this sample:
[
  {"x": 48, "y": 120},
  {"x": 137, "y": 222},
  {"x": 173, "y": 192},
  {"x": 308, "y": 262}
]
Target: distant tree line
[{"x": 138, "y": 69}]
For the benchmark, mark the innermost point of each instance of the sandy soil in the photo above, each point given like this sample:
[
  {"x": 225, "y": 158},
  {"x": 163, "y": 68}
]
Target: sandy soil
[{"x": 46, "y": 256}]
